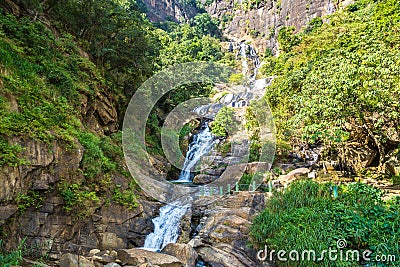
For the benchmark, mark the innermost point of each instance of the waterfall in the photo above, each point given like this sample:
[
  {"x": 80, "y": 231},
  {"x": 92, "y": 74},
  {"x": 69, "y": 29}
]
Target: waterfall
[
  {"x": 248, "y": 52},
  {"x": 331, "y": 8},
  {"x": 201, "y": 145},
  {"x": 166, "y": 227}
]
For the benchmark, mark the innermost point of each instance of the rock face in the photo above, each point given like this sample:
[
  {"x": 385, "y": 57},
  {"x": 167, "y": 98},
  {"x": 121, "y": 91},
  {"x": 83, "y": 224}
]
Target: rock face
[
  {"x": 223, "y": 230},
  {"x": 241, "y": 21},
  {"x": 53, "y": 232},
  {"x": 259, "y": 24},
  {"x": 169, "y": 10}
]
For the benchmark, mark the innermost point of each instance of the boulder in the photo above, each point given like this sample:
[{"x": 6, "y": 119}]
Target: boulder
[
  {"x": 214, "y": 172},
  {"x": 71, "y": 260},
  {"x": 111, "y": 241},
  {"x": 223, "y": 230},
  {"x": 184, "y": 252},
  {"x": 204, "y": 179},
  {"x": 292, "y": 176},
  {"x": 137, "y": 256}
]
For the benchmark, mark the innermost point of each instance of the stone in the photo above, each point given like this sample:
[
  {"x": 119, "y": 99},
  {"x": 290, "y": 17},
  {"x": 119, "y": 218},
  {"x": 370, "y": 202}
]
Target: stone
[
  {"x": 214, "y": 172},
  {"x": 111, "y": 241},
  {"x": 94, "y": 251},
  {"x": 184, "y": 252},
  {"x": 136, "y": 257},
  {"x": 112, "y": 264},
  {"x": 204, "y": 179},
  {"x": 224, "y": 227},
  {"x": 292, "y": 176},
  {"x": 71, "y": 260}
]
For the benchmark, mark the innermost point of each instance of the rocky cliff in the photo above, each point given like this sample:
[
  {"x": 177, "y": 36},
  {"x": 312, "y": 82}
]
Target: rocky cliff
[{"x": 252, "y": 21}]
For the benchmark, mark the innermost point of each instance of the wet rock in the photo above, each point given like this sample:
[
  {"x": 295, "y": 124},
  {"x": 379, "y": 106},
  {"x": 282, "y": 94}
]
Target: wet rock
[{"x": 136, "y": 257}]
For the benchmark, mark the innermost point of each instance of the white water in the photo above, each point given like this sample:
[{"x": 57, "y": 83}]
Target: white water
[
  {"x": 166, "y": 225},
  {"x": 201, "y": 145},
  {"x": 248, "y": 52}
]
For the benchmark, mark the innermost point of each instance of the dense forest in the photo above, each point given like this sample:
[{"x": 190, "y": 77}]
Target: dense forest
[{"x": 68, "y": 70}]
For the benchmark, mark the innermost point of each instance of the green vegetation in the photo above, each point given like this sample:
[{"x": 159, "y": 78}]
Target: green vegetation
[
  {"x": 339, "y": 76},
  {"x": 78, "y": 198},
  {"x": 307, "y": 217},
  {"x": 94, "y": 161},
  {"x": 10, "y": 259},
  {"x": 203, "y": 24},
  {"x": 244, "y": 182},
  {"x": 127, "y": 197},
  {"x": 31, "y": 198},
  {"x": 224, "y": 122}
]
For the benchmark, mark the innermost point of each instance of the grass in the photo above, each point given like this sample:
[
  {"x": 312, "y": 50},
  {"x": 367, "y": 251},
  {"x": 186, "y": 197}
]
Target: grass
[{"x": 307, "y": 217}]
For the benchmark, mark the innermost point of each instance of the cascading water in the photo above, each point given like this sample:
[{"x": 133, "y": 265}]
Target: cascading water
[
  {"x": 248, "y": 52},
  {"x": 201, "y": 145},
  {"x": 166, "y": 225}
]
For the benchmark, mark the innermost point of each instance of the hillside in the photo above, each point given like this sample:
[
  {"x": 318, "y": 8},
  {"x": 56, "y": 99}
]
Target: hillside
[{"x": 322, "y": 75}]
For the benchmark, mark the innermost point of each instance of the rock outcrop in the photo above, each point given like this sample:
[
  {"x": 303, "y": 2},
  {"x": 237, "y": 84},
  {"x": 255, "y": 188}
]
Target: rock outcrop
[
  {"x": 259, "y": 23},
  {"x": 223, "y": 232}
]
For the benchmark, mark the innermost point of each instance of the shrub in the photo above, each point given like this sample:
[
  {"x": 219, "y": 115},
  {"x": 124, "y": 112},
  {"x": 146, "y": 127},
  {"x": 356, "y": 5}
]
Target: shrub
[{"x": 224, "y": 122}]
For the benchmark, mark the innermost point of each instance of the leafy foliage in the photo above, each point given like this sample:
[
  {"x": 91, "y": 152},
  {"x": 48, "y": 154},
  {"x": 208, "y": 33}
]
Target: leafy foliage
[
  {"x": 126, "y": 197},
  {"x": 77, "y": 197},
  {"x": 224, "y": 122},
  {"x": 342, "y": 75},
  {"x": 32, "y": 198},
  {"x": 94, "y": 161}
]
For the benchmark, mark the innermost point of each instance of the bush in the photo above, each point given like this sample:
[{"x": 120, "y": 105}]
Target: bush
[{"x": 224, "y": 122}]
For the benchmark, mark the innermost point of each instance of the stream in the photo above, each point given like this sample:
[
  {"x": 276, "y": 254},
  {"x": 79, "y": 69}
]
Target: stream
[{"x": 167, "y": 224}]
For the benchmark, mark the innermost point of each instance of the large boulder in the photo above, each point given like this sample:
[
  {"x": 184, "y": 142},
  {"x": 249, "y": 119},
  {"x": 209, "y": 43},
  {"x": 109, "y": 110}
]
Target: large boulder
[
  {"x": 223, "y": 230},
  {"x": 184, "y": 252},
  {"x": 136, "y": 257},
  {"x": 71, "y": 260}
]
